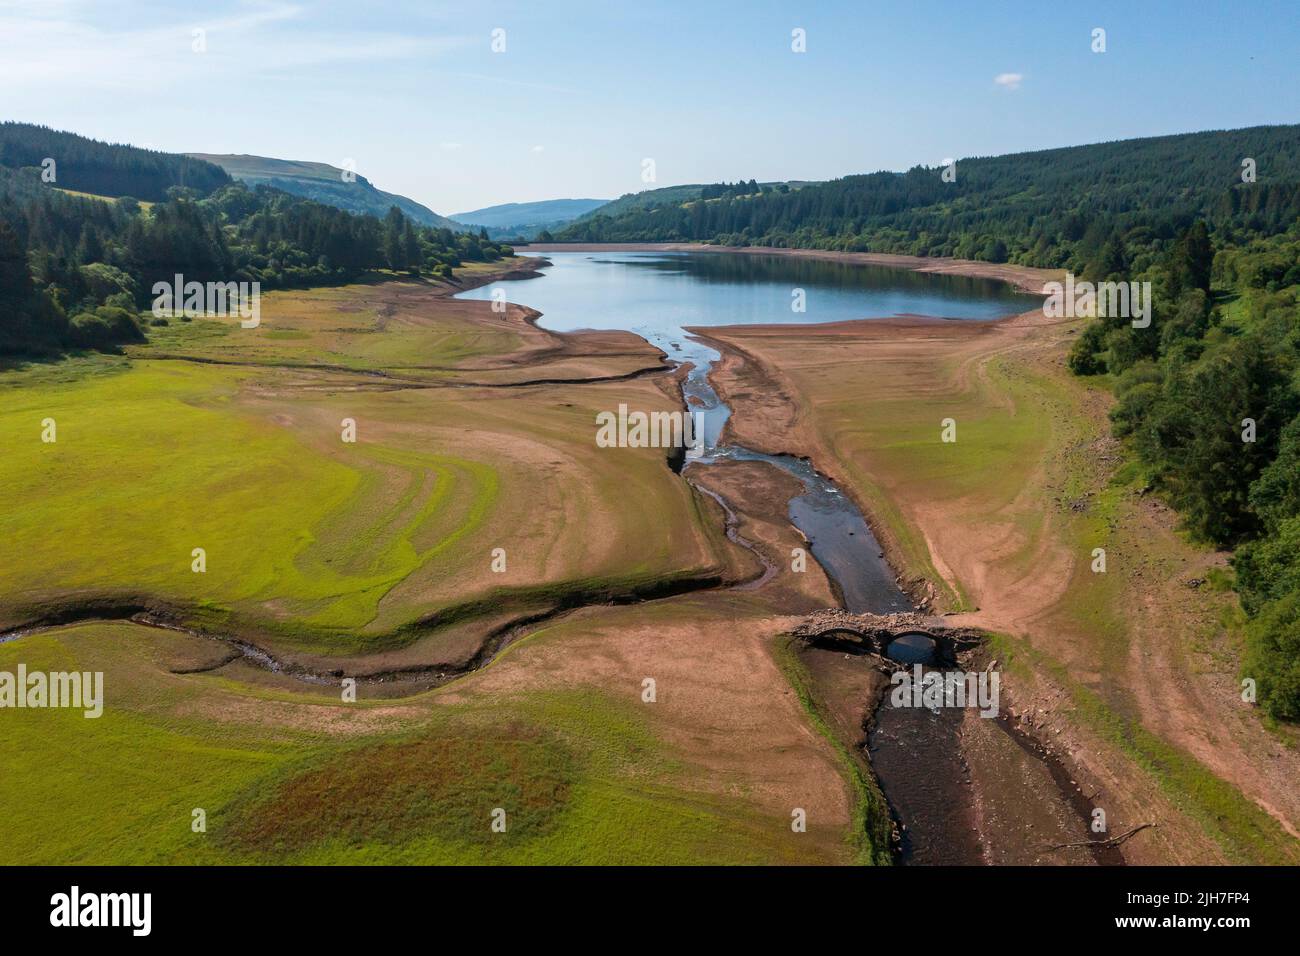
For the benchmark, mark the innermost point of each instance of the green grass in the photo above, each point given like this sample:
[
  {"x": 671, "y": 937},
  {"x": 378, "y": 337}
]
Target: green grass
[
  {"x": 144, "y": 204},
  {"x": 1093, "y": 602},
  {"x": 987, "y": 459},
  {"x": 342, "y": 327},
  {"x": 152, "y": 464},
  {"x": 869, "y": 833},
  {"x": 119, "y": 788},
  {"x": 577, "y": 774},
  {"x": 888, "y": 440},
  {"x": 581, "y": 776}
]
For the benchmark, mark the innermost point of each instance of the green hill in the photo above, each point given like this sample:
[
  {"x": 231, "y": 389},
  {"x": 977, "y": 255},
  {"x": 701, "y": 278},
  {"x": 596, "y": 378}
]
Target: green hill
[
  {"x": 668, "y": 196},
  {"x": 78, "y": 258},
  {"x": 324, "y": 184},
  {"x": 1055, "y": 207}
]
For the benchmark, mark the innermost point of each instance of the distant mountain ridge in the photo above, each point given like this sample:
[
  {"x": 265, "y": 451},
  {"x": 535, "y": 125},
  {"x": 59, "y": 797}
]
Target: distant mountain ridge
[
  {"x": 528, "y": 219},
  {"x": 549, "y": 211},
  {"x": 324, "y": 183}
]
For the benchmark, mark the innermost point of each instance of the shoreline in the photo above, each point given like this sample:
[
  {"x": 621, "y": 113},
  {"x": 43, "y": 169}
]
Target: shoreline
[
  {"x": 545, "y": 348},
  {"x": 1029, "y": 279}
]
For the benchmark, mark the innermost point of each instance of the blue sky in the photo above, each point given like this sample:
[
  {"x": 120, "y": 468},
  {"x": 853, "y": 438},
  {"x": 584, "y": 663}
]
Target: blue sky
[{"x": 584, "y": 91}]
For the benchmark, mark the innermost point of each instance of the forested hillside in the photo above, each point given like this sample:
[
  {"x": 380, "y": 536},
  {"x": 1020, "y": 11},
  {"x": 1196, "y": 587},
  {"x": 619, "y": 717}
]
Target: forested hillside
[
  {"x": 1054, "y": 208},
  {"x": 76, "y": 271},
  {"x": 1209, "y": 399},
  {"x": 324, "y": 184},
  {"x": 105, "y": 169},
  {"x": 669, "y": 197}
]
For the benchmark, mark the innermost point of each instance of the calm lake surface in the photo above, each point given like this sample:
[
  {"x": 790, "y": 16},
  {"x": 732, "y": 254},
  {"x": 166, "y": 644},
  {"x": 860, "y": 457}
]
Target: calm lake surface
[
  {"x": 657, "y": 292},
  {"x": 657, "y": 295}
]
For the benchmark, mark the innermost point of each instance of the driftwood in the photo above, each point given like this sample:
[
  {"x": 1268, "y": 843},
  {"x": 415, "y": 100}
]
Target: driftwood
[{"x": 1112, "y": 842}]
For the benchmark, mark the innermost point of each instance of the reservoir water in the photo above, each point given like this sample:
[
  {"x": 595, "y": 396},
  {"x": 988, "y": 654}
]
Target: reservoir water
[{"x": 657, "y": 295}]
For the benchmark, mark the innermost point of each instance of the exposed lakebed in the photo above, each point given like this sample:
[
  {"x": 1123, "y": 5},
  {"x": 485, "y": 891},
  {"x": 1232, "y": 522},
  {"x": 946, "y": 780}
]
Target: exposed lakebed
[
  {"x": 916, "y": 754},
  {"x": 658, "y": 295}
]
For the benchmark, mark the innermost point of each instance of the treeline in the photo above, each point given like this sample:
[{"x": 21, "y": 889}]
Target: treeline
[
  {"x": 1054, "y": 208},
  {"x": 732, "y": 190},
  {"x": 75, "y": 272},
  {"x": 105, "y": 169},
  {"x": 1209, "y": 397}
]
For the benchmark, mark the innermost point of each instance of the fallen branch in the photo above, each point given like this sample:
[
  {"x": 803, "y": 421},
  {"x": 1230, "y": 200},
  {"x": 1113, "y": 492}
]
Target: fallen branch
[{"x": 1112, "y": 842}]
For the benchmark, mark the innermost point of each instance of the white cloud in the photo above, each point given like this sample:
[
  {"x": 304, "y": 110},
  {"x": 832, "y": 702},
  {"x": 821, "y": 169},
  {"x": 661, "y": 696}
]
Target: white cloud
[
  {"x": 67, "y": 44},
  {"x": 1009, "y": 81},
  {"x": 451, "y": 146},
  {"x": 538, "y": 149}
]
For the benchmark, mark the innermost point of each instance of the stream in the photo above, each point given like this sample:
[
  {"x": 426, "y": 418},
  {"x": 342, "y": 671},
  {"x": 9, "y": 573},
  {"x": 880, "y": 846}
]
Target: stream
[{"x": 933, "y": 806}]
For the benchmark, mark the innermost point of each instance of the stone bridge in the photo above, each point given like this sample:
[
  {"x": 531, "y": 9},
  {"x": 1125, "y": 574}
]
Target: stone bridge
[{"x": 875, "y": 632}]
